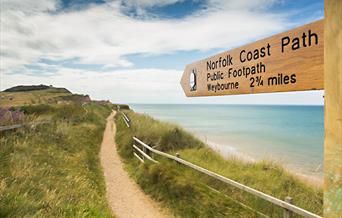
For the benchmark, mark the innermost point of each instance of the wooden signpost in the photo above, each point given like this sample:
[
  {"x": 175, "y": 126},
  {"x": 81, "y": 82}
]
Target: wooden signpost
[
  {"x": 333, "y": 109},
  {"x": 290, "y": 61},
  {"x": 297, "y": 60}
]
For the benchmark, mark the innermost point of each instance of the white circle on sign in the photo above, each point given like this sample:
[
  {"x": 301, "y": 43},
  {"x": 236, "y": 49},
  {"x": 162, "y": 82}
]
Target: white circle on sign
[{"x": 193, "y": 80}]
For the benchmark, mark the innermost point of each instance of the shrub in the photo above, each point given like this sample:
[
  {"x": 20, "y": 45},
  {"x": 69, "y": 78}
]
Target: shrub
[
  {"x": 10, "y": 116},
  {"x": 38, "y": 109}
]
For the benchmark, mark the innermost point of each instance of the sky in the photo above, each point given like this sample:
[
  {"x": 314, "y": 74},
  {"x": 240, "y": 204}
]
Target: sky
[{"x": 135, "y": 51}]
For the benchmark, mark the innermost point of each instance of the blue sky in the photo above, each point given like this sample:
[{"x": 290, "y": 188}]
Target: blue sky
[{"x": 134, "y": 51}]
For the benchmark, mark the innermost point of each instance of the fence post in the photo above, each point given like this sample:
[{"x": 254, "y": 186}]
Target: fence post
[
  {"x": 178, "y": 156},
  {"x": 288, "y": 213},
  {"x": 144, "y": 150}
]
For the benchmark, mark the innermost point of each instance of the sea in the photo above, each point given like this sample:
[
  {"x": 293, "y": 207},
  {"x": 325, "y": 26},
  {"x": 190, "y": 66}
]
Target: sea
[{"x": 287, "y": 134}]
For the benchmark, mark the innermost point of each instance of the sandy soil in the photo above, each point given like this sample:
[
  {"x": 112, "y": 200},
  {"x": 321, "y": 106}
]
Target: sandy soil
[{"x": 124, "y": 196}]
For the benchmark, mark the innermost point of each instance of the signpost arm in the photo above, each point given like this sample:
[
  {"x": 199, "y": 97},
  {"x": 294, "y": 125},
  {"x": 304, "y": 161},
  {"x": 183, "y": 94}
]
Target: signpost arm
[{"x": 333, "y": 108}]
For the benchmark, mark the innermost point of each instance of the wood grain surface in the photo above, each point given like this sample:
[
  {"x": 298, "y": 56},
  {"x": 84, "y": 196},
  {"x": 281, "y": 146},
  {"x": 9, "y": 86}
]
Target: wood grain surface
[
  {"x": 285, "y": 54},
  {"x": 333, "y": 109}
]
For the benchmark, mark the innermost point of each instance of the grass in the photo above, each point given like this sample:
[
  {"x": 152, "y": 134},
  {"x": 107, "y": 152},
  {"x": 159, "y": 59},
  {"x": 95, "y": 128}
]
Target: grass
[
  {"x": 53, "y": 170},
  {"x": 9, "y": 99},
  {"x": 190, "y": 194}
]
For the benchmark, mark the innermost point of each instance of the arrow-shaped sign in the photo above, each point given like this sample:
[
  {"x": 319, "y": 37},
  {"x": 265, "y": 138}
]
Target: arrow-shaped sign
[{"x": 289, "y": 61}]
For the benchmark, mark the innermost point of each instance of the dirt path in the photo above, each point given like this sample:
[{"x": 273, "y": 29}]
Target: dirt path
[{"x": 124, "y": 196}]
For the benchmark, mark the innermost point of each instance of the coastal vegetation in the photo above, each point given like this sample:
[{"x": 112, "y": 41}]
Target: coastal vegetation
[
  {"x": 35, "y": 88},
  {"x": 53, "y": 169},
  {"x": 18, "y": 97},
  {"x": 191, "y": 194}
]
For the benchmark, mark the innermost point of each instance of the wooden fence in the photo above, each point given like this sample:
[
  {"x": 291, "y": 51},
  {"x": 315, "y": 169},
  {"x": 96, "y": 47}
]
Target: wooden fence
[
  {"x": 124, "y": 116},
  {"x": 16, "y": 126},
  {"x": 126, "y": 119},
  {"x": 289, "y": 208}
]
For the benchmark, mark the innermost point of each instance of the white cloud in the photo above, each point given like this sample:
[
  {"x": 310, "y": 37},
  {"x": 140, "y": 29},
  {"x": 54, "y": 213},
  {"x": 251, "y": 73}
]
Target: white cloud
[
  {"x": 102, "y": 34},
  {"x": 149, "y": 3},
  {"x": 118, "y": 86},
  {"x": 28, "y": 6},
  {"x": 242, "y": 4},
  {"x": 148, "y": 86}
]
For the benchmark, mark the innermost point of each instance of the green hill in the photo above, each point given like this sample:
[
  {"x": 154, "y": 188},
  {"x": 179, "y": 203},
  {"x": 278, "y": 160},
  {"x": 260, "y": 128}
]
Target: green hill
[
  {"x": 40, "y": 94},
  {"x": 26, "y": 88}
]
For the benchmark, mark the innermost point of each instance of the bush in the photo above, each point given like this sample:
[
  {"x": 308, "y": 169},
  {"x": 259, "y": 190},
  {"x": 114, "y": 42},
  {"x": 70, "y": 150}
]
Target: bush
[
  {"x": 122, "y": 106},
  {"x": 35, "y": 88},
  {"x": 9, "y": 116},
  {"x": 69, "y": 111},
  {"x": 38, "y": 109}
]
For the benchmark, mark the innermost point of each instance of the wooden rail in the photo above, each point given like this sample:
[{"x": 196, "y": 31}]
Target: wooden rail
[
  {"x": 126, "y": 119},
  {"x": 16, "y": 126},
  {"x": 144, "y": 154},
  {"x": 286, "y": 205},
  {"x": 124, "y": 116},
  {"x": 4, "y": 128}
]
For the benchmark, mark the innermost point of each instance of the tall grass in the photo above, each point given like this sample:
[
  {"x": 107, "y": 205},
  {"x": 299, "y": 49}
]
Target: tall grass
[
  {"x": 191, "y": 194},
  {"x": 53, "y": 170},
  {"x": 47, "y": 96}
]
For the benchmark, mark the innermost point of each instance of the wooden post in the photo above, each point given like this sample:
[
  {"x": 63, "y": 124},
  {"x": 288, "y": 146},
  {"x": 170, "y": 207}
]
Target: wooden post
[
  {"x": 178, "y": 156},
  {"x": 144, "y": 150},
  {"x": 288, "y": 213},
  {"x": 333, "y": 108}
]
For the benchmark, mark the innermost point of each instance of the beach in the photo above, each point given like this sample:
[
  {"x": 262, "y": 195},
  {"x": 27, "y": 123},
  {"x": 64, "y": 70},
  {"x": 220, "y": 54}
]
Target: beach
[{"x": 289, "y": 135}]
